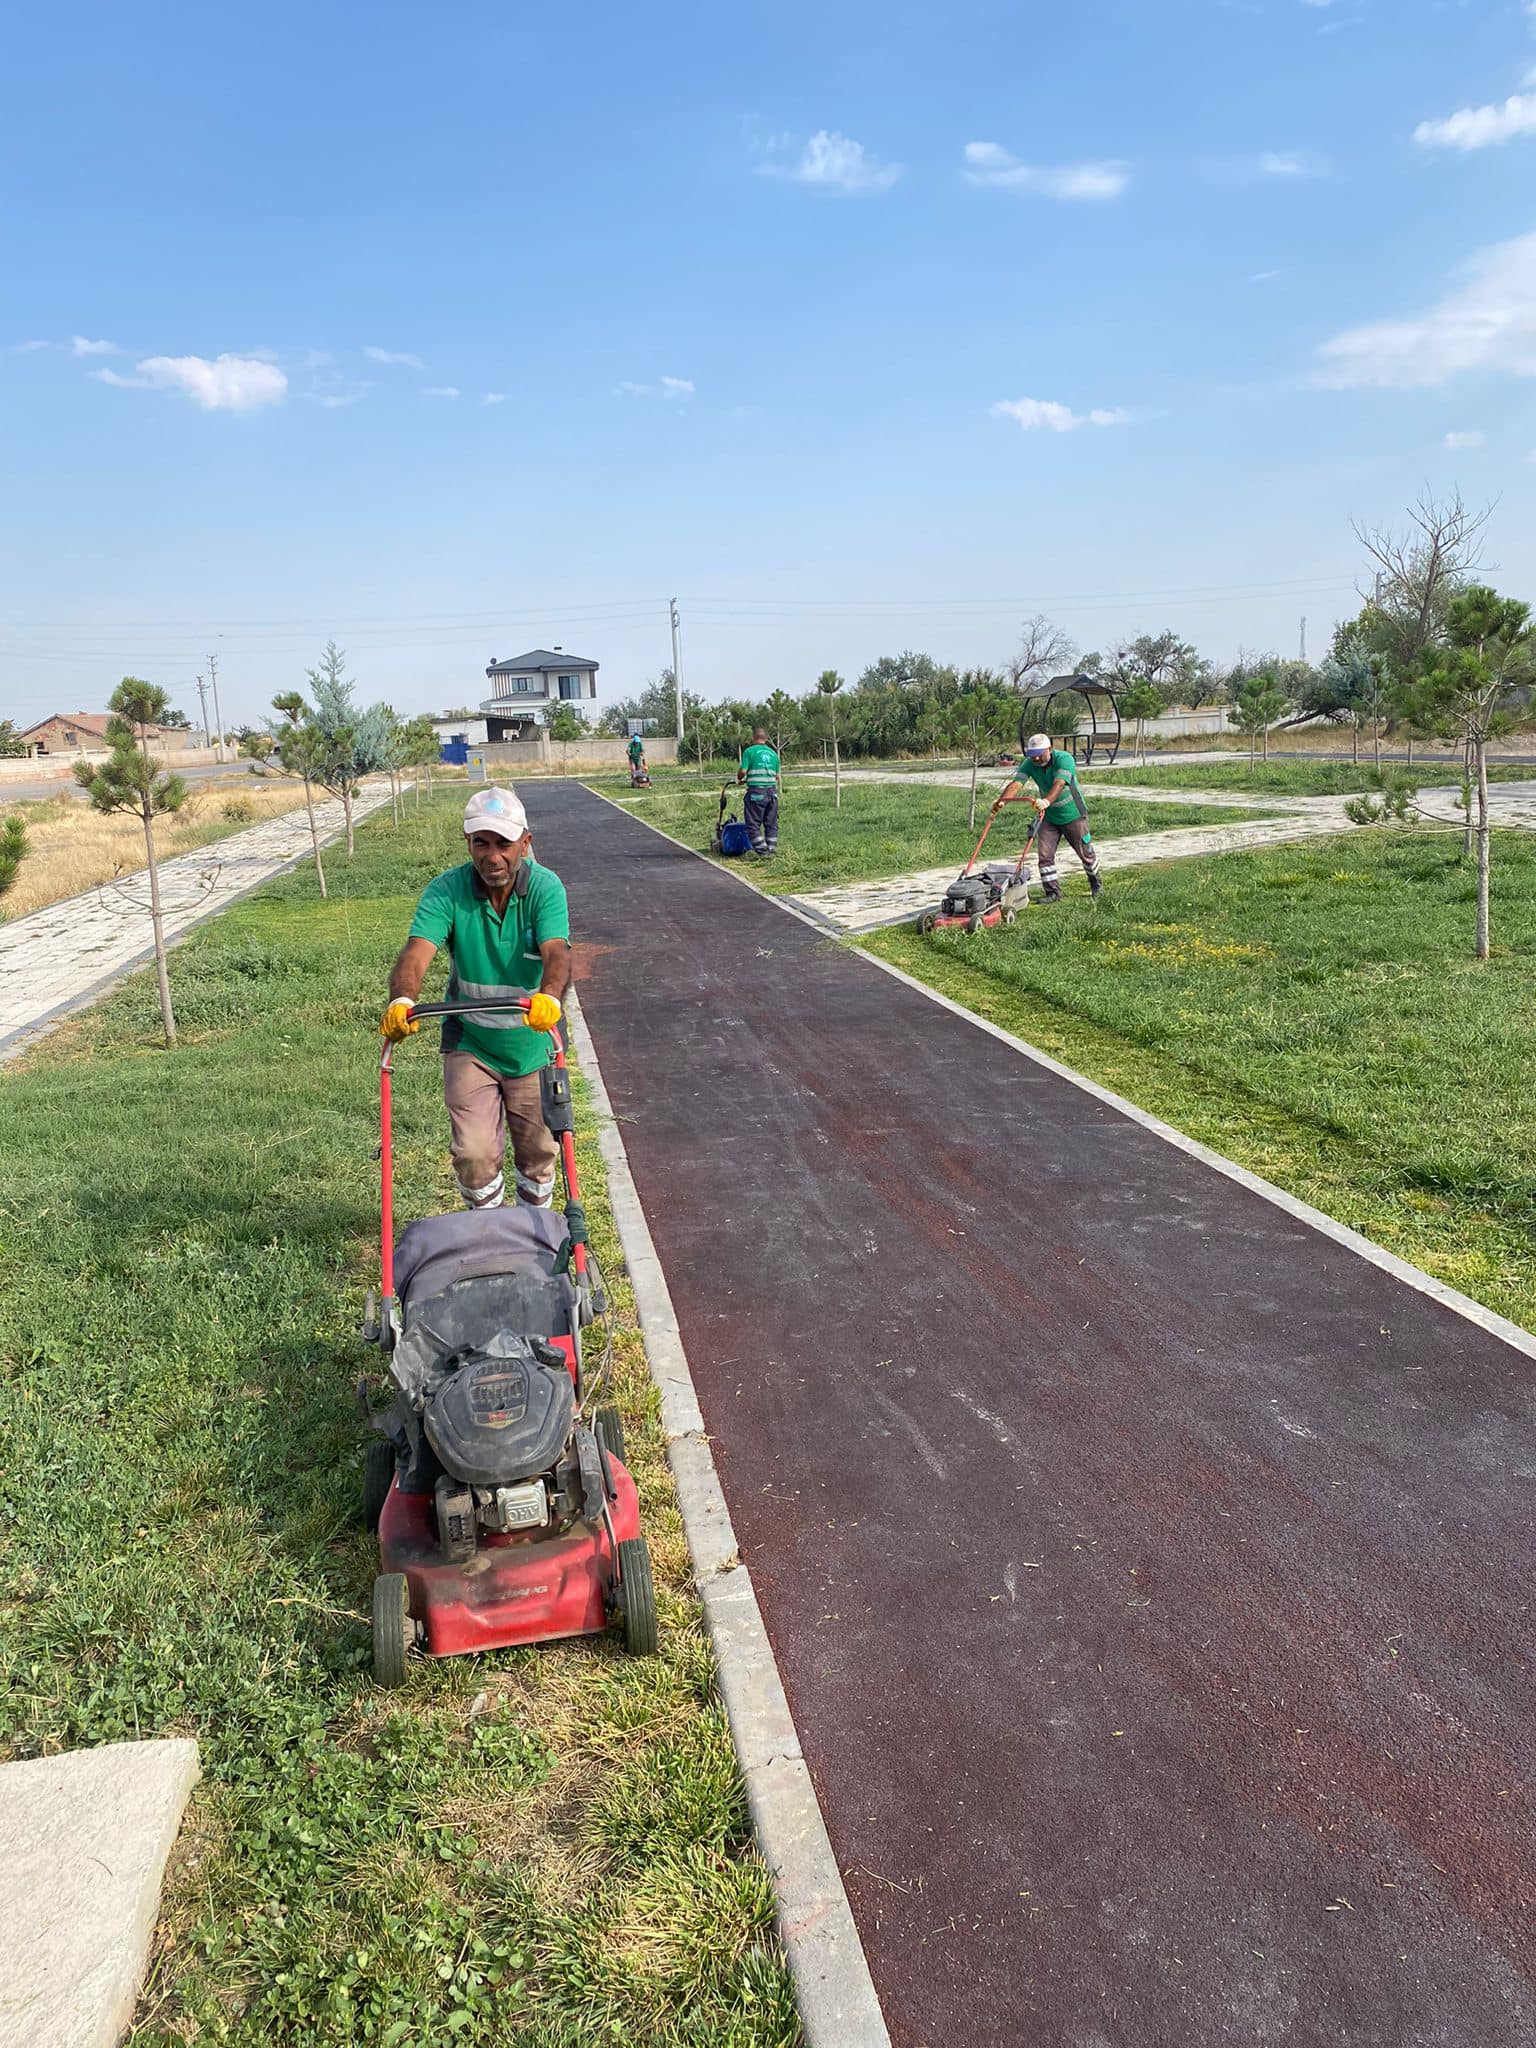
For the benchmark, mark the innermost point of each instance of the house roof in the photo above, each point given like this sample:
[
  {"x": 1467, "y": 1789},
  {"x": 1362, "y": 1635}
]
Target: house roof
[
  {"x": 93, "y": 722},
  {"x": 539, "y": 660}
]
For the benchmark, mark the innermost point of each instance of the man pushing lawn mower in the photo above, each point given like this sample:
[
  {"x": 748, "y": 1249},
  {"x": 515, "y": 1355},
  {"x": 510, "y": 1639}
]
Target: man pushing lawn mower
[
  {"x": 507, "y": 928},
  {"x": 1059, "y": 805}
]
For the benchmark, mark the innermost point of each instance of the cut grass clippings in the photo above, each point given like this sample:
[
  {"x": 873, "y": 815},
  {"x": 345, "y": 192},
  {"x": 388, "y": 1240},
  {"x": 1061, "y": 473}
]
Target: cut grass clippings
[
  {"x": 881, "y": 830},
  {"x": 1314, "y": 1013},
  {"x": 537, "y": 1849}
]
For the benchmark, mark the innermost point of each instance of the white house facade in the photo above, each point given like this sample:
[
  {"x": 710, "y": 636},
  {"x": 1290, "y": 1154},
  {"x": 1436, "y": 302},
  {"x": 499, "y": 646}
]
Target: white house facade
[{"x": 524, "y": 691}]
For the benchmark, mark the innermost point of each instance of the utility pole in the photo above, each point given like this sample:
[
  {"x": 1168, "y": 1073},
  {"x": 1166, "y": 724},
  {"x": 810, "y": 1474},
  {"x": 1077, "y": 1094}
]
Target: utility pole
[
  {"x": 1303, "y": 636},
  {"x": 677, "y": 677},
  {"x": 218, "y": 716},
  {"x": 202, "y": 698}
]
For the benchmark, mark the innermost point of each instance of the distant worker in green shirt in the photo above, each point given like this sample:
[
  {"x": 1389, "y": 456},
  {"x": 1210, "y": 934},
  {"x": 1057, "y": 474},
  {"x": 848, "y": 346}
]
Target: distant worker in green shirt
[
  {"x": 636, "y": 752},
  {"x": 759, "y": 770},
  {"x": 507, "y": 928},
  {"x": 1058, "y": 801}
]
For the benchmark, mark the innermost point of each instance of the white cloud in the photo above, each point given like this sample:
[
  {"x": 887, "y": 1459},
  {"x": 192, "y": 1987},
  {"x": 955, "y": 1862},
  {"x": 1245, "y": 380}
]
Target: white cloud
[
  {"x": 832, "y": 162},
  {"x": 395, "y": 357},
  {"x": 1032, "y": 413},
  {"x": 27, "y": 348},
  {"x": 440, "y": 391},
  {"x": 1290, "y": 163},
  {"x": 494, "y": 398},
  {"x": 318, "y": 359},
  {"x": 988, "y": 163},
  {"x": 227, "y": 384},
  {"x": 342, "y": 396},
  {"x": 1481, "y": 127},
  {"x": 1263, "y": 276},
  {"x": 1487, "y": 324},
  {"x": 1472, "y": 439},
  {"x": 679, "y": 388},
  {"x": 79, "y": 346}
]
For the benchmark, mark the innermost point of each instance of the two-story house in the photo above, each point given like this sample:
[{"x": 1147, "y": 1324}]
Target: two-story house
[{"x": 523, "y": 691}]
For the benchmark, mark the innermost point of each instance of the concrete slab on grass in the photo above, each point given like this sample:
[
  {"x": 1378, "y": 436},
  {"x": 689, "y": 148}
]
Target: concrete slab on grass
[{"x": 83, "y": 1843}]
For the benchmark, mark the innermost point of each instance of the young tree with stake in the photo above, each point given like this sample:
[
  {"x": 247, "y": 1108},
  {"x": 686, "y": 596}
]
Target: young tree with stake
[
  {"x": 1141, "y": 701},
  {"x": 1465, "y": 690},
  {"x": 1257, "y": 701},
  {"x": 298, "y": 751},
  {"x": 829, "y": 682},
  {"x": 566, "y": 724},
  {"x": 982, "y": 714},
  {"x": 131, "y": 780}
]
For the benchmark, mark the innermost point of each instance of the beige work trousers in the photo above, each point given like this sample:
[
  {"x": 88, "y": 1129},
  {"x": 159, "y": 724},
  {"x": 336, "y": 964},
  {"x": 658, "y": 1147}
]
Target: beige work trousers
[{"x": 485, "y": 1109}]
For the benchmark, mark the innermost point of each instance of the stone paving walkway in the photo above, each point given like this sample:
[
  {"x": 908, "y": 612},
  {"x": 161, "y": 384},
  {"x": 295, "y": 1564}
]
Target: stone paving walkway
[
  {"x": 55, "y": 957},
  {"x": 865, "y": 906}
]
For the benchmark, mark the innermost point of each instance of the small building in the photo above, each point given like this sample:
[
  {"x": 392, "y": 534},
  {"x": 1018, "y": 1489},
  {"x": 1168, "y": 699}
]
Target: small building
[
  {"x": 468, "y": 732},
  {"x": 72, "y": 733},
  {"x": 523, "y": 691}
]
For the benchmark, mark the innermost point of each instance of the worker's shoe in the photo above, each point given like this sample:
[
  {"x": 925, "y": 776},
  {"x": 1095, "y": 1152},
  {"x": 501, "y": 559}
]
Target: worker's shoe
[
  {"x": 1095, "y": 881},
  {"x": 1050, "y": 883}
]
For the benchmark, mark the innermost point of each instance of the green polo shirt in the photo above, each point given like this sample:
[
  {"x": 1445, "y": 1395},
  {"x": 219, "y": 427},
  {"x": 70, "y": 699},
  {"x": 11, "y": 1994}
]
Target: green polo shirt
[
  {"x": 1043, "y": 775},
  {"x": 636, "y": 748},
  {"x": 493, "y": 956},
  {"x": 762, "y": 766}
]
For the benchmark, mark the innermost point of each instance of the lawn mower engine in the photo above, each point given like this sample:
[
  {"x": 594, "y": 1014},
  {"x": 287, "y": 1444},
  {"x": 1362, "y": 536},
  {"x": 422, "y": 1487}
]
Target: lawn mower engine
[
  {"x": 969, "y": 896},
  {"x": 975, "y": 902},
  {"x": 498, "y": 1423}
]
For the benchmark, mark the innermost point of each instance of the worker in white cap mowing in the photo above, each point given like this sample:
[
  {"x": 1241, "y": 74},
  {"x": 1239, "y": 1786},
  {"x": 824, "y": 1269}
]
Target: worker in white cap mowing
[
  {"x": 1051, "y": 774},
  {"x": 507, "y": 928}
]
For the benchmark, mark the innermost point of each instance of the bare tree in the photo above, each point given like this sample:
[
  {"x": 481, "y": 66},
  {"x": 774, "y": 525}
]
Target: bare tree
[
  {"x": 1043, "y": 650},
  {"x": 1419, "y": 569}
]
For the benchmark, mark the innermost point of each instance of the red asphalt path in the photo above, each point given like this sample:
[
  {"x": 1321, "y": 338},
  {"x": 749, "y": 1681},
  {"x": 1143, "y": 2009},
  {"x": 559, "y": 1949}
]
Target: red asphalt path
[{"x": 1149, "y": 1573}]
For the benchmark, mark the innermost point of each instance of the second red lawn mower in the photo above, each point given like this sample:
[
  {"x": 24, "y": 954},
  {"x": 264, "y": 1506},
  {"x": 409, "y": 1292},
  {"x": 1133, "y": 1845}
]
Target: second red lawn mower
[
  {"x": 975, "y": 902},
  {"x": 504, "y": 1510}
]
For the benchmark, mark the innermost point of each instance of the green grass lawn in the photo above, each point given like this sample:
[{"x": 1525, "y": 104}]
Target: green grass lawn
[
  {"x": 543, "y": 1848},
  {"x": 1314, "y": 1013},
  {"x": 887, "y": 831},
  {"x": 1293, "y": 777}
]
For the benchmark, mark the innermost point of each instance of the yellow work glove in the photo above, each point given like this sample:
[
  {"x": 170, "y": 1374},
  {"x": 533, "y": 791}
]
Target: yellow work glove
[
  {"x": 398, "y": 1022},
  {"x": 543, "y": 1012}
]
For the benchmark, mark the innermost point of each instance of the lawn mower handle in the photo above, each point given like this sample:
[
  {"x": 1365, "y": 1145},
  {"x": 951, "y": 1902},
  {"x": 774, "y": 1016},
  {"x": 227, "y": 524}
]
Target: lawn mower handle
[{"x": 472, "y": 1007}]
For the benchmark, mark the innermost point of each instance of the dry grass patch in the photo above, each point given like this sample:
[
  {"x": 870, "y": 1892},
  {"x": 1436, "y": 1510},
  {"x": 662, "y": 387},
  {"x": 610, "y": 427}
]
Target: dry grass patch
[{"x": 71, "y": 847}]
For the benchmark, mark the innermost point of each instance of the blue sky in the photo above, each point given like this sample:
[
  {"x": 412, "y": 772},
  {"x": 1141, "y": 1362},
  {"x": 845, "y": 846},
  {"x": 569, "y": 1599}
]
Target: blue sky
[{"x": 858, "y": 327}]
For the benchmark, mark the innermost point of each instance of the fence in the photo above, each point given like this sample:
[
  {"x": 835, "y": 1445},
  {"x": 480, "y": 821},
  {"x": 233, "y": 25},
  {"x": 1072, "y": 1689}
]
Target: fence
[
  {"x": 61, "y": 767},
  {"x": 544, "y": 756}
]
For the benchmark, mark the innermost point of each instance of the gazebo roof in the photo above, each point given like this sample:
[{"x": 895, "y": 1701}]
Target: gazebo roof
[{"x": 1059, "y": 685}]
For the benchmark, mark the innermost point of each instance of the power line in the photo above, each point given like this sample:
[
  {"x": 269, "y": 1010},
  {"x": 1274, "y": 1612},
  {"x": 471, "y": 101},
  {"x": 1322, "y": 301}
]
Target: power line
[{"x": 614, "y": 611}]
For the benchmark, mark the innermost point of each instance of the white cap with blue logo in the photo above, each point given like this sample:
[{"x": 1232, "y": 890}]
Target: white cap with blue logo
[{"x": 495, "y": 810}]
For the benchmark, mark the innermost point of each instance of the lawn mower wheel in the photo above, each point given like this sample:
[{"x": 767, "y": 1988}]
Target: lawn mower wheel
[
  {"x": 637, "y": 1595},
  {"x": 393, "y": 1633}
]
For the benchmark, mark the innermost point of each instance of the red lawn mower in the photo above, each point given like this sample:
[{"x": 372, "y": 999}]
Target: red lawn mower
[
  {"x": 504, "y": 1510},
  {"x": 975, "y": 902}
]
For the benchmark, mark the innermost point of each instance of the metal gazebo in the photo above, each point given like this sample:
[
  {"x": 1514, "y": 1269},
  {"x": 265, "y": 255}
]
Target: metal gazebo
[{"x": 1100, "y": 741}]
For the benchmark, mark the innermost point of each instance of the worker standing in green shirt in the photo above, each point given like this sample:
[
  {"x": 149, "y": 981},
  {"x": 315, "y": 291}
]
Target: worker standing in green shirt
[
  {"x": 507, "y": 927},
  {"x": 759, "y": 770},
  {"x": 636, "y": 753},
  {"x": 1051, "y": 773}
]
